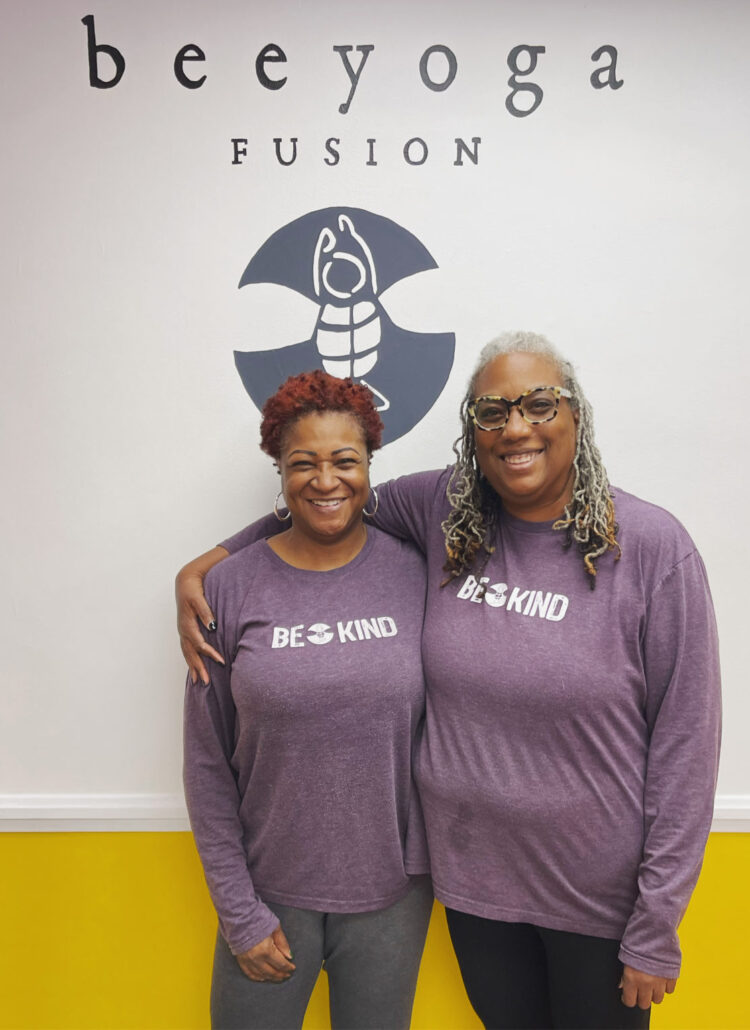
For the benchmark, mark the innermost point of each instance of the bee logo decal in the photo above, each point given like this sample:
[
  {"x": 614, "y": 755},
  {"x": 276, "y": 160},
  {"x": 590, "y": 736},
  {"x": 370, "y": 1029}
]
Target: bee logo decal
[
  {"x": 343, "y": 259},
  {"x": 319, "y": 633}
]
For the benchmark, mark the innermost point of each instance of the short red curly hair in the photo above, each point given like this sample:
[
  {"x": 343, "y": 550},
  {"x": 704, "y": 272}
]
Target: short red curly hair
[{"x": 312, "y": 392}]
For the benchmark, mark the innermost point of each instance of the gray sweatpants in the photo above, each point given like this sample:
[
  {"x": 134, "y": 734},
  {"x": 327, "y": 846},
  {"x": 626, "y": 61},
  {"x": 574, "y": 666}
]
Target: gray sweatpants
[{"x": 372, "y": 960}]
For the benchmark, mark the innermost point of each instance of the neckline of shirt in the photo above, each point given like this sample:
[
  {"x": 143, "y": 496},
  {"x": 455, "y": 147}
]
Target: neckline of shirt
[
  {"x": 358, "y": 558},
  {"x": 525, "y": 525}
]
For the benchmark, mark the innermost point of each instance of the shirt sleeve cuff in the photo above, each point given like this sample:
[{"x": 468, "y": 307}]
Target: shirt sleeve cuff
[
  {"x": 262, "y": 927},
  {"x": 669, "y": 970}
]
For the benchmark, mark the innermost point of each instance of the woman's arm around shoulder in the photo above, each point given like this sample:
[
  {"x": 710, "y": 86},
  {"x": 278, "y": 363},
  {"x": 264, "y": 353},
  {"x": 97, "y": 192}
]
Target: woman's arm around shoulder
[
  {"x": 193, "y": 611},
  {"x": 409, "y": 507}
]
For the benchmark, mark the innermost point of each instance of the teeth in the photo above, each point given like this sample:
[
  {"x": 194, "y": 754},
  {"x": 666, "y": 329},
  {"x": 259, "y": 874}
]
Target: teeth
[
  {"x": 327, "y": 504},
  {"x": 519, "y": 459}
]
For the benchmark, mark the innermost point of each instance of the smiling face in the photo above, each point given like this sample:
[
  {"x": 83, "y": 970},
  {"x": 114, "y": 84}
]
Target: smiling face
[
  {"x": 529, "y": 466},
  {"x": 325, "y": 476}
]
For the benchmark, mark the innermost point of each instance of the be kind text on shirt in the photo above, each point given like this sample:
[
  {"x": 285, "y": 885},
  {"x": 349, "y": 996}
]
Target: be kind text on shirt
[{"x": 345, "y": 632}]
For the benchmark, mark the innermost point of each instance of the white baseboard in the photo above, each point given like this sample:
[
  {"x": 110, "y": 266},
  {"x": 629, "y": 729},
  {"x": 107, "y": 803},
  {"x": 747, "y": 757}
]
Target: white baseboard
[
  {"x": 731, "y": 813},
  {"x": 114, "y": 813},
  {"x": 118, "y": 813}
]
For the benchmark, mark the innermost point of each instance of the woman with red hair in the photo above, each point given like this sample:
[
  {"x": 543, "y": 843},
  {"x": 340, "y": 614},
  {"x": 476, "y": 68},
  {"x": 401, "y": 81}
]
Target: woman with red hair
[{"x": 298, "y": 749}]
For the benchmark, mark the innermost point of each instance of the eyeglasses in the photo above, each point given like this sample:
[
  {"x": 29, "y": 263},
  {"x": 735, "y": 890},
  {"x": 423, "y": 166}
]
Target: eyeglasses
[{"x": 537, "y": 405}]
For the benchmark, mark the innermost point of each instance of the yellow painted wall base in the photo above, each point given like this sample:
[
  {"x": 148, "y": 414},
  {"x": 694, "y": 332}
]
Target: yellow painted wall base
[{"x": 115, "y": 930}]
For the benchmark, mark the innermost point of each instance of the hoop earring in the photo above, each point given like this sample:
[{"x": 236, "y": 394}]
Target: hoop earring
[
  {"x": 374, "y": 510},
  {"x": 281, "y": 518}
]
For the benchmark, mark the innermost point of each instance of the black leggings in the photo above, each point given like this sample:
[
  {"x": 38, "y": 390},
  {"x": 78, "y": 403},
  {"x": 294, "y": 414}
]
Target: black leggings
[{"x": 523, "y": 976}]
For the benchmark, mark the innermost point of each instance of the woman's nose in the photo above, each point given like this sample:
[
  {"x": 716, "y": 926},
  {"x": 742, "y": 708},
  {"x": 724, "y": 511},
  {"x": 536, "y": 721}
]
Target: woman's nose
[
  {"x": 325, "y": 478},
  {"x": 516, "y": 424}
]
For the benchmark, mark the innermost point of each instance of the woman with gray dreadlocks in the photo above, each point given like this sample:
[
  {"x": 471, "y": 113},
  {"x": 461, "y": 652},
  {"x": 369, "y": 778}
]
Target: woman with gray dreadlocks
[{"x": 569, "y": 757}]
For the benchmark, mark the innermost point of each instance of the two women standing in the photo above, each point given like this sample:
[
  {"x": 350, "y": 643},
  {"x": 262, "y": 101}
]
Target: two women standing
[{"x": 569, "y": 755}]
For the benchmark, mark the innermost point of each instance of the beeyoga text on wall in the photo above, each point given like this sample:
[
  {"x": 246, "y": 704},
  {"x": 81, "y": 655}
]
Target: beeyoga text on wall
[{"x": 438, "y": 67}]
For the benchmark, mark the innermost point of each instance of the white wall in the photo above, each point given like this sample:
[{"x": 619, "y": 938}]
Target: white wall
[{"x": 615, "y": 221}]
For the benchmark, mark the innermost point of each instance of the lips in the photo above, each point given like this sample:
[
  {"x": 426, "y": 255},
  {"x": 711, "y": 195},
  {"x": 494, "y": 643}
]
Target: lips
[{"x": 520, "y": 459}]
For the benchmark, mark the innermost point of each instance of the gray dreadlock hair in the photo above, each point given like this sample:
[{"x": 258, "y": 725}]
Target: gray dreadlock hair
[{"x": 589, "y": 518}]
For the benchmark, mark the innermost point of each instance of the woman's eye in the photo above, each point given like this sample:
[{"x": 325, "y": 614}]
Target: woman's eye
[{"x": 491, "y": 413}]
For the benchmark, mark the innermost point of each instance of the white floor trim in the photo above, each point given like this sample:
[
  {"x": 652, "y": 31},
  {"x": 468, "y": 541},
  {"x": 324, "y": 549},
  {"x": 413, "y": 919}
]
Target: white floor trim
[
  {"x": 117, "y": 813},
  {"x": 731, "y": 813}
]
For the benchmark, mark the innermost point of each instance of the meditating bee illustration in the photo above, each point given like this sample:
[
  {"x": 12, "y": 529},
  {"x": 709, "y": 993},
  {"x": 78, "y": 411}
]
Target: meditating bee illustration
[
  {"x": 348, "y": 330},
  {"x": 343, "y": 259}
]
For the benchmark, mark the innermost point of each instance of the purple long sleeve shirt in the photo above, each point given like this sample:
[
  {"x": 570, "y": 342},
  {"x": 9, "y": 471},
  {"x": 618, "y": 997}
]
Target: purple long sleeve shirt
[
  {"x": 569, "y": 758},
  {"x": 298, "y": 753}
]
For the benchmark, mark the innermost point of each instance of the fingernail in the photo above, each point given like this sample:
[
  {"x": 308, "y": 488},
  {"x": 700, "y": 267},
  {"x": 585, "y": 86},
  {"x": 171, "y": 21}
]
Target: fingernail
[{"x": 212, "y": 625}]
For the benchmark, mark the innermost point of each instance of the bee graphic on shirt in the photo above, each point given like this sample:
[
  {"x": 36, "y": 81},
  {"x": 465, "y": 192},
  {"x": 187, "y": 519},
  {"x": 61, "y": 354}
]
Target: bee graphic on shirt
[{"x": 319, "y": 633}]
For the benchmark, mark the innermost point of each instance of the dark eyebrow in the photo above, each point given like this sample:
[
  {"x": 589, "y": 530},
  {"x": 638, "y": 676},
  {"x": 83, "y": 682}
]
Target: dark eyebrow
[{"x": 314, "y": 454}]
